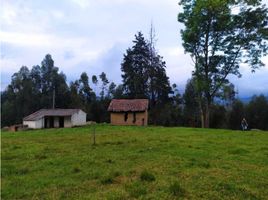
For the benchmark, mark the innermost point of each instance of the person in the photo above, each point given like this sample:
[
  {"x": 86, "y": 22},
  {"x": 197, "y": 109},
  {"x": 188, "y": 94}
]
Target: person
[{"x": 244, "y": 124}]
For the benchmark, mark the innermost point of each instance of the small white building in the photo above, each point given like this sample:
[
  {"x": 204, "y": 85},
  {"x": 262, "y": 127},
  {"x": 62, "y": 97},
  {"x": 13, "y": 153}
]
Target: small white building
[{"x": 55, "y": 118}]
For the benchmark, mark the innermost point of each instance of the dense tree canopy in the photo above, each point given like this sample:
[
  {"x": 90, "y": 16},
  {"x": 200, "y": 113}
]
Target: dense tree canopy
[{"x": 220, "y": 35}]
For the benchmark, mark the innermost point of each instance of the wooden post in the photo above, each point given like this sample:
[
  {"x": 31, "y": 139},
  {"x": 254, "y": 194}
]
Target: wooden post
[{"x": 94, "y": 135}]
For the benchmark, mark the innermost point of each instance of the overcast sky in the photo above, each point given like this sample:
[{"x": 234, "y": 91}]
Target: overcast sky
[{"x": 92, "y": 36}]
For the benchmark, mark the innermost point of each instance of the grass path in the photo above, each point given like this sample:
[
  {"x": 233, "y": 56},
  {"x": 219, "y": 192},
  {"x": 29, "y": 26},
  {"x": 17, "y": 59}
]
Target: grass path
[{"x": 134, "y": 163}]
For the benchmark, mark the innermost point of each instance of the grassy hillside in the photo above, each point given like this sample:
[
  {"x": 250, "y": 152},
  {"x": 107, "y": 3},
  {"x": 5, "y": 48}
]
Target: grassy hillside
[{"x": 134, "y": 163}]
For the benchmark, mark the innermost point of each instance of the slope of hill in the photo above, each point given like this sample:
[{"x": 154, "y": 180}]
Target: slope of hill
[{"x": 134, "y": 163}]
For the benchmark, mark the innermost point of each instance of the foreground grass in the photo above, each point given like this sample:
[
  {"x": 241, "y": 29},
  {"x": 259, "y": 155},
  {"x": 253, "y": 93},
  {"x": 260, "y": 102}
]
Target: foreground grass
[{"x": 134, "y": 163}]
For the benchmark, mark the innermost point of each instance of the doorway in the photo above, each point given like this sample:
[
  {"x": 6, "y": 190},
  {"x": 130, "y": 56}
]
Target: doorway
[
  {"x": 61, "y": 122},
  {"x": 51, "y": 122}
]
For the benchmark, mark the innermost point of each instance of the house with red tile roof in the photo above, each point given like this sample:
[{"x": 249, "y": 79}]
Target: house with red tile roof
[{"x": 129, "y": 112}]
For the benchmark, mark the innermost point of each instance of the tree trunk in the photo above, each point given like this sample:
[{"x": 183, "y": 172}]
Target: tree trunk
[
  {"x": 207, "y": 116},
  {"x": 204, "y": 114}
]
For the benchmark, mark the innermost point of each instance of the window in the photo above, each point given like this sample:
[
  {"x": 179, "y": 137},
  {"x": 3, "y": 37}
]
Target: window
[
  {"x": 134, "y": 117},
  {"x": 126, "y": 116}
]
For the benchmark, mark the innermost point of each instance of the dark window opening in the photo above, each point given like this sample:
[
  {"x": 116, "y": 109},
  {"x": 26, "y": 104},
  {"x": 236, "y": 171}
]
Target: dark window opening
[
  {"x": 126, "y": 116},
  {"x": 134, "y": 117}
]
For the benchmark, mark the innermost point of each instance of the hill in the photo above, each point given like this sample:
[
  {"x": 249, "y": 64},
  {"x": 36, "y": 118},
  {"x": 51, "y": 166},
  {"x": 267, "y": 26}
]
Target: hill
[{"x": 134, "y": 163}]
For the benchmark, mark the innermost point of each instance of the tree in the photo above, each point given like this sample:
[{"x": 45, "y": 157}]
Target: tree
[
  {"x": 144, "y": 74},
  {"x": 135, "y": 68},
  {"x": 220, "y": 35},
  {"x": 111, "y": 90},
  {"x": 85, "y": 91},
  {"x": 94, "y": 79},
  {"x": 104, "y": 84},
  {"x": 75, "y": 98},
  {"x": 191, "y": 112},
  {"x": 236, "y": 115},
  {"x": 53, "y": 81},
  {"x": 257, "y": 112},
  {"x": 17, "y": 100}
]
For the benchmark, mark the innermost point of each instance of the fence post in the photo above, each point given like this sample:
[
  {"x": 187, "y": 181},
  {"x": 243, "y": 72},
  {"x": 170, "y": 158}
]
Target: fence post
[{"x": 94, "y": 135}]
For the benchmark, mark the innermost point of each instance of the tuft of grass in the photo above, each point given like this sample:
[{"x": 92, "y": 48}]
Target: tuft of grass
[
  {"x": 147, "y": 176},
  {"x": 23, "y": 171},
  {"x": 136, "y": 189},
  {"x": 76, "y": 169},
  {"x": 107, "y": 180},
  {"x": 238, "y": 151},
  {"x": 176, "y": 189},
  {"x": 40, "y": 156}
]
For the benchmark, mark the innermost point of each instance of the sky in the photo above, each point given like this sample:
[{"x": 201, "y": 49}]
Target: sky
[{"x": 92, "y": 36}]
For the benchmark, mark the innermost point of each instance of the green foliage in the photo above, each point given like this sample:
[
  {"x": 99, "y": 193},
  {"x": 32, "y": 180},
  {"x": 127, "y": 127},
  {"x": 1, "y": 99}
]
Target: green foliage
[
  {"x": 144, "y": 74},
  {"x": 236, "y": 115},
  {"x": 257, "y": 112},
  {"x": 191, "y": 113},
  {"x": 219, "y": 40}
]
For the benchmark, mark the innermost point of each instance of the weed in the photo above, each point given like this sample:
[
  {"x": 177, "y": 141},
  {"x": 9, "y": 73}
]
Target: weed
[
  {"x": 40, "y": 156},
  {"x": 136, "y": 189},
  {"x": 76, "y": 170},
  {"x": 23, "y": 171},
  {"x": 238, "y": 151},
  {"x": 107, "y": 180},
  {"x": 176, "y": 189},
  {"x": 147, "y": 176}
]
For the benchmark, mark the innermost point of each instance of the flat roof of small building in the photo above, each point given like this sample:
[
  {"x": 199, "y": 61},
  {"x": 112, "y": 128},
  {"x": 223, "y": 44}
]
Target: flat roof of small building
[{"x": 50, "y": 112}]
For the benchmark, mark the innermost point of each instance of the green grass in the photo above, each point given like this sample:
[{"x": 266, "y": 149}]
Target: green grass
[{"x": 134, "y": 163}]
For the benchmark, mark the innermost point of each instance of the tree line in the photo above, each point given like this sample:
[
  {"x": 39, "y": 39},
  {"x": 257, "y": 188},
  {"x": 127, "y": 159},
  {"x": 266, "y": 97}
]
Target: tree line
[{"x": 143, "y": 76}]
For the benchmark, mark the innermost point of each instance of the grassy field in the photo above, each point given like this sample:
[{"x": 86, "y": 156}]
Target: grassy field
[{"x": 134, "y": 163}]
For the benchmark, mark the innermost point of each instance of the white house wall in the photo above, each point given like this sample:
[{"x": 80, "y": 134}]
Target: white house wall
[
  {"x": 34, "y": 124},
  {"x": 79, "y": 118},
  {"x": 67, "y": 122}
]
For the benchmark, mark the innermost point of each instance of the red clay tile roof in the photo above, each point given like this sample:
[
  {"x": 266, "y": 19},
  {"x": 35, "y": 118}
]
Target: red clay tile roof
[
  {"x": 50, "y": 112},
  {"x": 125, "y": 105}
]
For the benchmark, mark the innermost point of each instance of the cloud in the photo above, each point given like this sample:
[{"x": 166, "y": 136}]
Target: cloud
[{"x": 92, "y": 36}]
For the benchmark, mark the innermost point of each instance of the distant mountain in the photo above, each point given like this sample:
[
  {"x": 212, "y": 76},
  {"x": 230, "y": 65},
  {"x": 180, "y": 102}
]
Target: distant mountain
[{"x": 247, "y": 99}]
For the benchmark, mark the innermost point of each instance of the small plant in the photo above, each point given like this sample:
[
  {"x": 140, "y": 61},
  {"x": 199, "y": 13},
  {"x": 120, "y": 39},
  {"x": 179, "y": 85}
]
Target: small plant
[
  {"x": 116, "y": 173},
  {"x": 23, "y": 171},
  {"x": 147, "y": 176},
  {"x": 40, "y": 156},
  {"x": 76, "y": 170},
  {"x": 107, "y": 180},
  {"x": 109, "y": 161},
  {"x": 176, "y": 189}
]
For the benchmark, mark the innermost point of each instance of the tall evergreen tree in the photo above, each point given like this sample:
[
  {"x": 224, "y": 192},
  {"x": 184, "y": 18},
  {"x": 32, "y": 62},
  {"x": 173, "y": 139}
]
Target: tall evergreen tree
[{"x": 135, "y": 68}]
